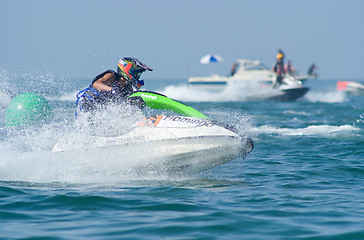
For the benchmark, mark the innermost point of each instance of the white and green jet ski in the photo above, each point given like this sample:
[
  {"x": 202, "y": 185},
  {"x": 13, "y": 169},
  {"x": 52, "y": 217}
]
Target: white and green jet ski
[{"x": 184, "y": 143}]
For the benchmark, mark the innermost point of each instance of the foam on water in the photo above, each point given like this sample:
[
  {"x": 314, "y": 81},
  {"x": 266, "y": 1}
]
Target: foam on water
[
  {"x": 232, "y": 92},
  {"x": 240, "y": 92},
  {"x": 291, "y": 112},
  {"x": 310, "y": 130},
  {"x": 5, "y": 92},
  {"x": 5, "y": 99},
  {"x": 327, "y": 97},
  {"x": 68, "y": 96},
  {"x": 27, "y": 155}
]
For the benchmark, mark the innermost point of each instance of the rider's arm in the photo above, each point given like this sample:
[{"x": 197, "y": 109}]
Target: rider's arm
[
  {"x": 274, "y": 68},
  {"x": 105, "y": 82}
]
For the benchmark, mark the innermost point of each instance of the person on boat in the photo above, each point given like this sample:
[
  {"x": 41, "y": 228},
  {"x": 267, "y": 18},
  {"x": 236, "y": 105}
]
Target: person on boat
[
  {"x": 278, "y": 69},
  {"x": 234, "y": 68},
  {"x": 311, "y": 71},
  {"x": 113, "y": 87},
  {"x": 289, "y": 69}
]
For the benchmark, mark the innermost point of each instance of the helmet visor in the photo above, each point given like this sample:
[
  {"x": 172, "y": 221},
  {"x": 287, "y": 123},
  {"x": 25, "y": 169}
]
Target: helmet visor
[{"x": 136, "y": 73}]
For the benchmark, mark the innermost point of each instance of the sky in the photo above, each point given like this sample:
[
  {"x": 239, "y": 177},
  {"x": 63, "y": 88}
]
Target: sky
[{"x": 82, "y": 38}]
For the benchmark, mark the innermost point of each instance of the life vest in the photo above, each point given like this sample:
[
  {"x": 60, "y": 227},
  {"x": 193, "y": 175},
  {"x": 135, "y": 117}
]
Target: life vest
[
  {"x": 279, "y": 68},
  {"x": 89, "y": 98},
  {"x": 104, "y": 73}
]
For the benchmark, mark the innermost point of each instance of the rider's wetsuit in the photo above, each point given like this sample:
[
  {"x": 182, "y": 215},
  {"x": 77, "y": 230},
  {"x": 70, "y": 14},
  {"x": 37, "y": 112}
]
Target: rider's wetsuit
[
  {"x": 279, "y": 70},
  {"x": 91, "y": 99}
]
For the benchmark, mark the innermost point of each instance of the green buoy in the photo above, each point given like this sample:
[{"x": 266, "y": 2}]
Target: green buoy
[{"x": 27, "y": 109}]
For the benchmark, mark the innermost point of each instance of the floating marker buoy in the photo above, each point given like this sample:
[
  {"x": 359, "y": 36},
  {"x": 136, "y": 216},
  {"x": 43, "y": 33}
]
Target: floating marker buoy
[{"x": 27, "y": 109}]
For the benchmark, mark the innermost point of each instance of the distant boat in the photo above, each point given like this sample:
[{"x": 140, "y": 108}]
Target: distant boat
[
  {"x": 351, "y": 87},
  {"x": 252, "y": 72},
  {"x": 245, "y": 70}
]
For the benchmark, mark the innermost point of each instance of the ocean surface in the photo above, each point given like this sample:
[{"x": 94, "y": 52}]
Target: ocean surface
[{"x": 303, "y": 180}]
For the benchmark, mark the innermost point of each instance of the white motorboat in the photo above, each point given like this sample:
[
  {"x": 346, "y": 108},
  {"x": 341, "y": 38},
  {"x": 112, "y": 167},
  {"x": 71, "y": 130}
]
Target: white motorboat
[
  {"x": 246, "y": 70},
  {"x": 351, "y": 87},
  {"x": 172, "y": 144},
  {"x": 258, "y": 78}
]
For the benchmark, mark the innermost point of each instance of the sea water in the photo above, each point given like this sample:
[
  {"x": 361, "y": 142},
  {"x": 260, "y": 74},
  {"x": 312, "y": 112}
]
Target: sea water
[{"x": 303, "y": 180}]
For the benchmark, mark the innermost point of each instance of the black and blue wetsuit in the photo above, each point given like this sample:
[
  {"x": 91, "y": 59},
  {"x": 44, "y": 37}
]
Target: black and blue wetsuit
[{"x": 91, "y": 99}]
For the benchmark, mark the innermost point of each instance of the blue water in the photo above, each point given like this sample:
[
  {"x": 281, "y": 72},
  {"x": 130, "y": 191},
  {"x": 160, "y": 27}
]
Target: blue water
[{"x": 303, "y": 180}]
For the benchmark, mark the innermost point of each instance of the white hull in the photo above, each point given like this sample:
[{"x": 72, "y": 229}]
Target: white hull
[
  {"x": 173, "y": 145},
  {"x": 289, "y": 90}
]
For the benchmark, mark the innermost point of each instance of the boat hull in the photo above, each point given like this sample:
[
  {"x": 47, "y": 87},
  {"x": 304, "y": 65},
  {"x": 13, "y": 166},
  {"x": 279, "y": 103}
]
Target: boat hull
[
  {"x": 162, "y": 144},
  {"x": 289, "y": 95},
  {"x": 289, "y": 90}
]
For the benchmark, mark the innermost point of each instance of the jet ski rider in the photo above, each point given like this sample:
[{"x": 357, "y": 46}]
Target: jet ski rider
[
  {"x": 113, "y": 87},
  {"x": 278, "y": 69}
]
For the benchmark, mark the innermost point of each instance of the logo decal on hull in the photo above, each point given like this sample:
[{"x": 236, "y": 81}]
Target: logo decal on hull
[{"x": 152, "y": 121}]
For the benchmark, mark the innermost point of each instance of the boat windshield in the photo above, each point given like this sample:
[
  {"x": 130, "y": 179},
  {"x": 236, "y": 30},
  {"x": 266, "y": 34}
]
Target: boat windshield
[{"x": 253, "y": 66}]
